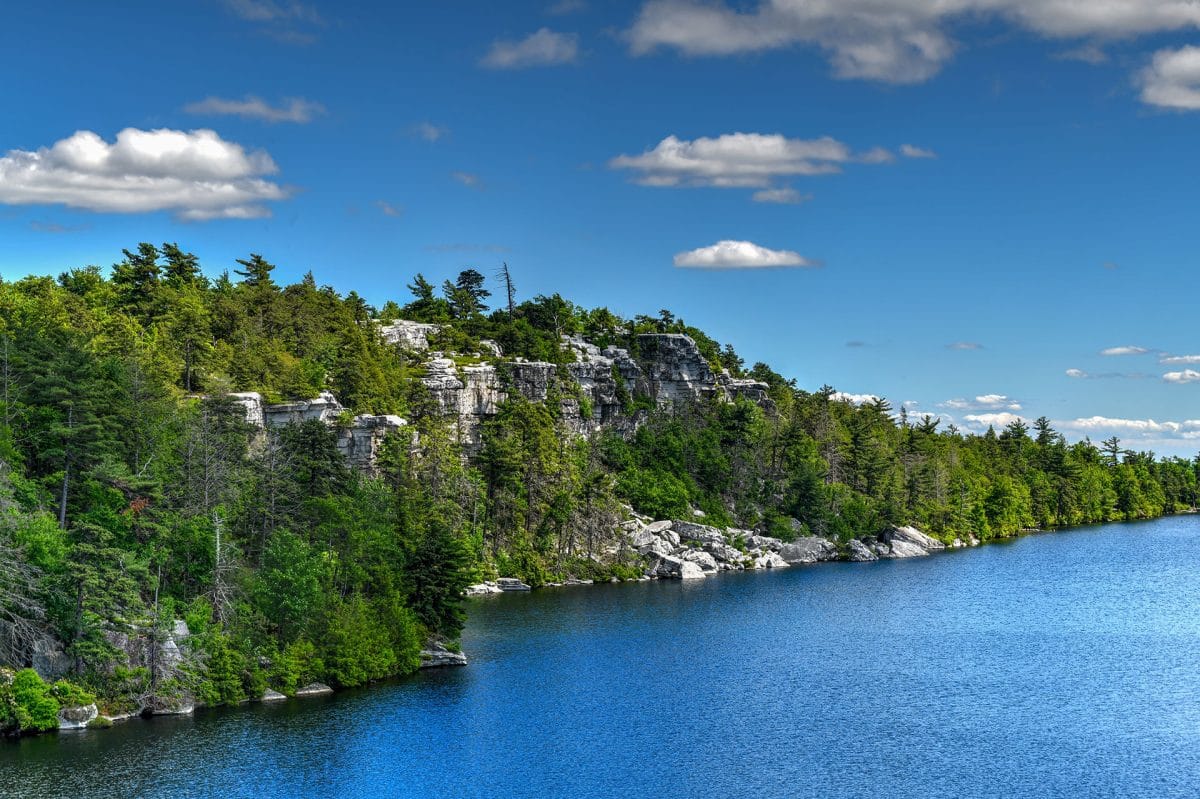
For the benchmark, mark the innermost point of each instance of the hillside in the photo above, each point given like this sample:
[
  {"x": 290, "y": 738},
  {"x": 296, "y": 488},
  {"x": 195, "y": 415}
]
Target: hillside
[{"x": 213, "y": 487}]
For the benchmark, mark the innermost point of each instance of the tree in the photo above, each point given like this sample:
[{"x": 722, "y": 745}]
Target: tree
[{"x": 466, "y": 295}]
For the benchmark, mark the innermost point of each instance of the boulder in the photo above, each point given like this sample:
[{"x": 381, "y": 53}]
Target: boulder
[
  {"x": 770, "y": 560},
  {"x": 809, "y": 549},
  {"x": 314, "y": 689},
  {"x": 272, "y": 696},
  {"x": 725, "y": 553},
  {"x": 764, "y": 542},
  {"x": 701, "y": 558},
  {"x": 436, "y": 655},
  {"x": 691, "y": 531},
  {"x": 672, "y": 568},
  {"x": 511, "y": 584},
  {"x": 76, "y": 718},
  {"x": 179, "y": 705},
  {"x": 657, "y": 547},
  {"x": 659, "y": 527},
  {"x": 859, "y": 553},
  {"x": 481, "y": 589},
  {"x": 912, "y": 535},
  {"x": 907, "y": 542}
]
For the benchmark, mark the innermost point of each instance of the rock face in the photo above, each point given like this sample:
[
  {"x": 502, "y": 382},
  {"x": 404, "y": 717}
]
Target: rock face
[
  {"x": 859, "y": 553},
  {"x": 408, "y": 335},
  {"x": 49, "y": 659},
  {"x": 358, "y": 439},
  {"x": 511, "y": 584},
  {"x": 76, "y": 718}
]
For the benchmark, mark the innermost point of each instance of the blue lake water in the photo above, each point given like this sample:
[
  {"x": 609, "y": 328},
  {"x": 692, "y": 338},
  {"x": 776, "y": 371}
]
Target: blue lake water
[{"x": 1057, "y": 665}]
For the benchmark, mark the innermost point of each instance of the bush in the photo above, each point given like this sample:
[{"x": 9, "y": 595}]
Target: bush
[{"x": 27, "y": 704}]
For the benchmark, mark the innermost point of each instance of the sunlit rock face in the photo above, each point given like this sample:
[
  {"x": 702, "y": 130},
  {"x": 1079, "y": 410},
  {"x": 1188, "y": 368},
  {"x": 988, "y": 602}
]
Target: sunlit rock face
[{"x": 599, "y": 389}]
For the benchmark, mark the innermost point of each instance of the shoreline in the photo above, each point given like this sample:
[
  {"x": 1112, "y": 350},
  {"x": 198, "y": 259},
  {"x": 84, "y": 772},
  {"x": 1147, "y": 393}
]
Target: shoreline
[{"x": 898, "y": 543}]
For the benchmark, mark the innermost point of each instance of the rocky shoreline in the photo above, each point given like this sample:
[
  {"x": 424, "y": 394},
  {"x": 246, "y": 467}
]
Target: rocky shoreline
[{"x": 682, "y": 550}]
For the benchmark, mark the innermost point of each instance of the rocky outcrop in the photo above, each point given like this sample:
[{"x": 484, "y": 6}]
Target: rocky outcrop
[
  {"x": 482, "y": 589},
  {"x": 408, "y": 335},
  {"x": 271, "y": 696},
  {"x": 808, "y": 549},
  {"x": 314, "y": 689},
  {"x": 668, "y": 567},
  {"x": 906, "y": 542},
  {"x": 359, "y": 438},
  {"x": 511, "y": 584},
  {"x": 436, "y": 655},
  {"x": 76, "y": 718},
  {"x": 858, "y": 552}
]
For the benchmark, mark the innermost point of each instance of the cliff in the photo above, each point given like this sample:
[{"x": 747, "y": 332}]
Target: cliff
[{"x": 600, "y": 389}]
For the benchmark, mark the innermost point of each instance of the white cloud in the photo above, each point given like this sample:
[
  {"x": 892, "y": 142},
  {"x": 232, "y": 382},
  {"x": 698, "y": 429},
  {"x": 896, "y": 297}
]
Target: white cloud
[
  {"x": 387, "y": 209},
  {"x": 1124, "y": 351},
  {"x": 965, "y": 345},
  {"x": 782, "y": 196},
  {"x": 1179, "y": 360},
  {"x": 429, "y": 131},
  {"x": 196, "y": 174},
  {"x": 293, "y": 109},
  {"x": 269, "y": 11},
  {"x": 741, "y": 160},
  {"x": 1077, "y": 373},
  {"x": 468, "y": 179},
  {"x": 912, "y": 151},
  {"x": 982, "y": 421},
  {"x": 984, "y": 402},
  {"x": 1173, "y": 79},
  {"x": 1104, "y": 424},
  {"x": 541, "y": 48},
  {"x": 854, "y": 399},
  {"x": 876, "y": 155},
  {"x": 893, "y": 41},
  {"x": 1186, "y": 376},
  {"x": 740, "y": 255}
]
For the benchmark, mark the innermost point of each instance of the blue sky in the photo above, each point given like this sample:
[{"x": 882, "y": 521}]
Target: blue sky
[{"x": 962, "y": 203}]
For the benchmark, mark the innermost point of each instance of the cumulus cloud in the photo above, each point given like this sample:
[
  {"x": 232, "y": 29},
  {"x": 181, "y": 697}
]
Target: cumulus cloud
[
  {"x": 912, "y": 151},
  {"x": 293, "y": 109},
  {"x": 1129, "y": 350},
  {"x": 1172, "y": 80},
  {"x": 743, "y": 161},
  {"x": 893, "y": 41},
  {"x": 781, "y": 196},
  {"x": 1185, "y": 376},
  {"x": 982, "y": 421},
  {"x": 542, "y": 48},
  {"x": 196, "y": 174},
  {"x": 1077, "y": 373},
  {"x": 854, "y": 399},
  {"x": 984, "y": 402},
  {"x": 740, "y": 255}
]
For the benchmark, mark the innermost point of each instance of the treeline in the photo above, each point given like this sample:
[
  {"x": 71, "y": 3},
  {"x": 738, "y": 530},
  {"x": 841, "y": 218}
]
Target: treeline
[{"x": 132, "y": 494}]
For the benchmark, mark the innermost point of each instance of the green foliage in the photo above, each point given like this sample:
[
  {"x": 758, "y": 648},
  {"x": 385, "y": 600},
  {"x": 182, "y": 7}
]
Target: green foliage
[
  {"x": 126, "y": 500},
  {"x": 27, "y": 704}
]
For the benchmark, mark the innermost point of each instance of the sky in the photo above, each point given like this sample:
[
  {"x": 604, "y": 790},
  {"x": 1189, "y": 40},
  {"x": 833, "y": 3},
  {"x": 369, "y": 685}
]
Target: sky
[{"x": 978, "y": 209}]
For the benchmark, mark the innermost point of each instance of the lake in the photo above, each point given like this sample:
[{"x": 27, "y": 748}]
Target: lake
[{"x": 1055, "y": 665}]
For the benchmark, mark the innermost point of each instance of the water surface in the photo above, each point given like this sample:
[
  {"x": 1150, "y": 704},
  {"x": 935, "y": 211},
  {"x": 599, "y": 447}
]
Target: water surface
[{"x": 1059, "y": 665}]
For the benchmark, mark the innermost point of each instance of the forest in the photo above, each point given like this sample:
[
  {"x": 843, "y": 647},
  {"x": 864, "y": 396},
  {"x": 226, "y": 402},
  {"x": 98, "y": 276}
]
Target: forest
[{"x": 134, "y": 493}]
